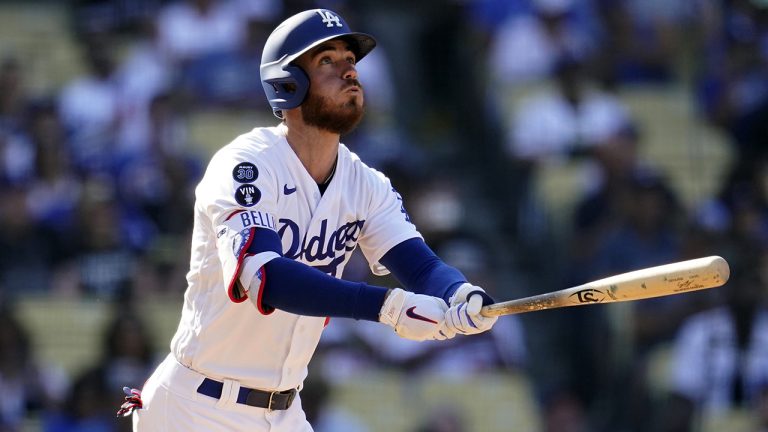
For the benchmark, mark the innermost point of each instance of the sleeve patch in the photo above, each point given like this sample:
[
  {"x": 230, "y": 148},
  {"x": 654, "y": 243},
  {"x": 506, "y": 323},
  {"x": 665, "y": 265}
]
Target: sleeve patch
[
  {"x": 233, "y": 263},
  {"x": 241, "y": 241},
  {"x": 245, "y": 172},
  {"x": 247, "y": 195}
]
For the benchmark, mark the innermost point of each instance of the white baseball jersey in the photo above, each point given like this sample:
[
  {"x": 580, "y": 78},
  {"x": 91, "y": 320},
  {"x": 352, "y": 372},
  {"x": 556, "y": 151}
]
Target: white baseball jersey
[{"x": 258, "y": 181}]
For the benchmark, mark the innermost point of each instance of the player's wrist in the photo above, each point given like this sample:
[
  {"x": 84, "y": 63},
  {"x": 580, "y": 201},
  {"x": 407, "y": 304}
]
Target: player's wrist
[
  {"x": 465, "y": 314},
  {"x": 467, "y": 290},
  {"x": 392, "y": 306}
]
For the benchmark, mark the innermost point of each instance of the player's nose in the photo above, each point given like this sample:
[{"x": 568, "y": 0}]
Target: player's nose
[{"x": 349, "y": 71}]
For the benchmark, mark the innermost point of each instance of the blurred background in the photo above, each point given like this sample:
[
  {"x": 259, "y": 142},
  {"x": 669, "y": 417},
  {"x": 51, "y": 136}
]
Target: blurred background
[{"x": 537, "y": 144}]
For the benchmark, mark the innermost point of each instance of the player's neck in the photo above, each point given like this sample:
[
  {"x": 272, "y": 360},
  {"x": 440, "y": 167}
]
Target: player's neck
[{"x": 315, "y": 148}]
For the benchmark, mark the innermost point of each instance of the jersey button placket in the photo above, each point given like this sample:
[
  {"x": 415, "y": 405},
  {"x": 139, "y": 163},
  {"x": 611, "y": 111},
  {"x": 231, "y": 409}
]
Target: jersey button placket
[{"x": 287, "y": 371}]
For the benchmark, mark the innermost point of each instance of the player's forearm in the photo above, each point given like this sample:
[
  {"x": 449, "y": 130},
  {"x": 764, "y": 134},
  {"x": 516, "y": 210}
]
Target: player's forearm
[
  {"x": 418, "y": 268},
  {"x": 297, "y": 288}
]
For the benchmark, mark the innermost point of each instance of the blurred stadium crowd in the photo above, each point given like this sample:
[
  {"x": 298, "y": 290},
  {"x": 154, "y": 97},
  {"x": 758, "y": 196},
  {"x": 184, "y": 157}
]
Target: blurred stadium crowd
[{"x": 510, "y": 127}]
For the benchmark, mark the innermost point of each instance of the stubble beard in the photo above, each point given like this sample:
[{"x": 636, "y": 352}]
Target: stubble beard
[{"x": 318, "y": 111}]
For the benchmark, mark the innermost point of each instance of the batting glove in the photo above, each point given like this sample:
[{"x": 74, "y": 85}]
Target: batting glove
[
  {"x": 132, "y": 402},
  {"x": 415, "y": 316},
  {"x": 464, "y": 316}
]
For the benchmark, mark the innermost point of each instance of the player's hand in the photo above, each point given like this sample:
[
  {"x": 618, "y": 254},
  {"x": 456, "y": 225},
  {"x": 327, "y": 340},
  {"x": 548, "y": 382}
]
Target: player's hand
[
  {"x": 464, "y": 316},
  {"x": 415, "y": 316}
]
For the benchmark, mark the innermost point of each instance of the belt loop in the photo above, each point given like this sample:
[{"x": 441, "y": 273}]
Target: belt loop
[
  {"x": 269, "y": 404},
  {"x": 229, "y": 393}
]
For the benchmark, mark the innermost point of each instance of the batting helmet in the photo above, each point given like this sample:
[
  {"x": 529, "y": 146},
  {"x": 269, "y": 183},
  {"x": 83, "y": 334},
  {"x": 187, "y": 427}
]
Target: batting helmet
[{"x": 286, "y": 84}]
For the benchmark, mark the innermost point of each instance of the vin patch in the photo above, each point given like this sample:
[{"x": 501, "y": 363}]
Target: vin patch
[{"x": 247, "y": 195}]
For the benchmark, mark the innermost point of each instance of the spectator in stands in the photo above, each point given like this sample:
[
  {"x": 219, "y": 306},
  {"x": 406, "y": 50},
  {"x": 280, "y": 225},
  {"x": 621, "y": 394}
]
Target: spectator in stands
[
  {"x": 733, "y": 87},
  {"x": 127, "y": 357},
  {"x": 110, "y": 16},
  {"x": 89, "y": 407},
  {"x": 644, "y": 231},
  {"x": 106, "y": 254},
  {"x": 90, "y": 107},
  {"x": 224, "y": 77},
  {"x": 27, "y": 386},
  {"x": 145, "y": 73},
  {"x": 603, "y": 203},
  {"x": 564, "y": 412},
  {"x": 54, "y": 188},
  {"x": 720, "y": 361},
  {"x": 448, "y": 418},
  {"x": 155, "y": 187},
  {"x": 317, "y": 402},
  {"x": 643, "y": 40},
  {"x": 13, "y": 98},
  {"x": 15, "y": 151},
  {"x": 128, "y": 354},
  {"x": 528, "y": 47},
  {"x": 159, "y": 179},
  {"x": 16, "y": 157},
  {"x": 552, "y": 127},
  {"x": 189, "y": 29},
  {"x": 740, "y": 209},
  {"x": 568, "y": 121},
  {"x": 648, "y": 233},
  {"x": 26, "y": 254}
]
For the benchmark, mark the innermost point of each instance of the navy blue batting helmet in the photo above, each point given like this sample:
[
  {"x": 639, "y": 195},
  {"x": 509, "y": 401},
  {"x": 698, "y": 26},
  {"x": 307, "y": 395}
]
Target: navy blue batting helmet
[{"x": 285, "y": 84}]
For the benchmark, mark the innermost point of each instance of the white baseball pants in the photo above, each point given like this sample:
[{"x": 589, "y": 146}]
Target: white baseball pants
[{"x": 172, "y": 404}]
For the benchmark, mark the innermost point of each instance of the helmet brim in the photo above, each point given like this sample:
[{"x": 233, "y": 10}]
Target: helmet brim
[{"x": 361, "y": 45}]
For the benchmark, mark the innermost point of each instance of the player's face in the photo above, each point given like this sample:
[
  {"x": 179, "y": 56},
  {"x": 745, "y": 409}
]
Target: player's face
[{"x": 335, "y": 100}]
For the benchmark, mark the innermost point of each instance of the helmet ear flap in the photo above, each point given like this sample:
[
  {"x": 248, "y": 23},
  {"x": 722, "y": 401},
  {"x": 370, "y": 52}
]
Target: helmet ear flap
[
  {"x": 301, "y": 80},
  {"x": 286, "y": 90}
]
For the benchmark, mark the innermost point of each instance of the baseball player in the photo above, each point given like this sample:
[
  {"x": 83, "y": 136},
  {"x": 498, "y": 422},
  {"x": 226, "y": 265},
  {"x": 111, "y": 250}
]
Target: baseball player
[{"x": 277, "y": 215}]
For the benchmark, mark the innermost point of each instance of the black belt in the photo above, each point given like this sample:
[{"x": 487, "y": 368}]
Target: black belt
[{"x": 258, "y": 398}]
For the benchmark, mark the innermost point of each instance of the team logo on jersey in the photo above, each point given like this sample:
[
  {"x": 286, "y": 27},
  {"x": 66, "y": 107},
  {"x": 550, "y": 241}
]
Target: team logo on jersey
[
  {"x": 247, "y": 195},
  {"x": 329, "y": 19},
  {"x": 329, "y": 245},
  {"x": 240, "y": 240},
  {"x": 245, "y": 172}
]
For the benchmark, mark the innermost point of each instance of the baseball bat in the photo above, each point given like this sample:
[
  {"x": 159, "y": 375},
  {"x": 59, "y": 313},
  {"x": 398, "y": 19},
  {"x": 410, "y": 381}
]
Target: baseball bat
[{"x": 675, "y": 278}]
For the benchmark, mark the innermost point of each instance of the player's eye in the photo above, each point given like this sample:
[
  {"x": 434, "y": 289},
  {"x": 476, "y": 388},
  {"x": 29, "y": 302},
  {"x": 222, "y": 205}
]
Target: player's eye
[
  {"x": 351, "y": 60},
  {"x": 325, "y": 60}
]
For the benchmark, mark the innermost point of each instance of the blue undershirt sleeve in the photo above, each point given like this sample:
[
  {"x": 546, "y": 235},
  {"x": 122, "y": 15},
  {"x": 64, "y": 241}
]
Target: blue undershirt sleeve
[
  {"x": 417, "y": 267},
  {"x": 297, "y": 288}
]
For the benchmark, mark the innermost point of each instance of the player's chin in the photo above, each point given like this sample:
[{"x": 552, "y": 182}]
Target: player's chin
[
  {"x": 355, "y": 99},
  {"x": 353, "y": 106},
  {"x": 351, "y": 115}
]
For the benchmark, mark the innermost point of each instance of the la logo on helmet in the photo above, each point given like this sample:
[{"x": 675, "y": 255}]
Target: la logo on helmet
[{"x": 329, "y": 19}]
